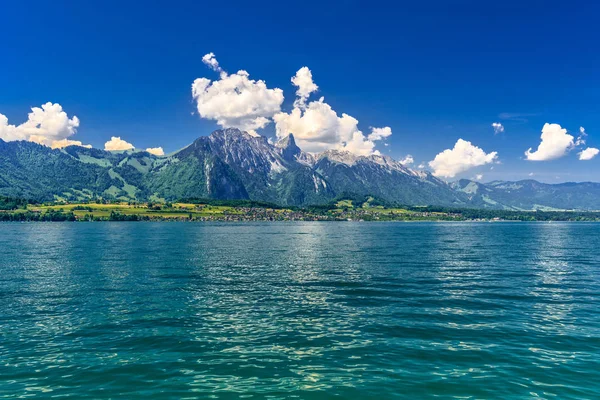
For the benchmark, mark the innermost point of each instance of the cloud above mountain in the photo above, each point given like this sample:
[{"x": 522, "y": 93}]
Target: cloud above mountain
[
  {"x": 117, "y": 144},
  {"x": 588, "y": 153},
  {"x": 62, "y": 143},
  {"x": 556, "y": 143},
  {"x": 304, "y": 82},
  {"x": 407, "y": 160},
  {"x": 461, "y": 158},
  {"x": 317, "y": 126},
  {"x": 380, "y": 133},
  {"x": 157, "y": 151},
  {"x": 48, "y": 125},
  {"x": 235, "y": 101}
]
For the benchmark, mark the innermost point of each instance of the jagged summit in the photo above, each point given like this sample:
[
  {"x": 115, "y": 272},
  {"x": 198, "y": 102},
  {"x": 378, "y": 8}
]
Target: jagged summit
[
  {"x": 286, "y": 142},
  {"x": 231, "y": 134},
  {"x": 289, "y": 150}
]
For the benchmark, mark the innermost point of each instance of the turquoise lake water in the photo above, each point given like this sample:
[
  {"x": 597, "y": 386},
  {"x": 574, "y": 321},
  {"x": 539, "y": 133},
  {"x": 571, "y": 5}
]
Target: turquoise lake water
[{"x": 300, "y": 310}]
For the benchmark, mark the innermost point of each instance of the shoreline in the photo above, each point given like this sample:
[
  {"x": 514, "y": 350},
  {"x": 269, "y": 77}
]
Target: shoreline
[
  {"x": 222, "y": 221},
  {"x": 236, "y": 211}
]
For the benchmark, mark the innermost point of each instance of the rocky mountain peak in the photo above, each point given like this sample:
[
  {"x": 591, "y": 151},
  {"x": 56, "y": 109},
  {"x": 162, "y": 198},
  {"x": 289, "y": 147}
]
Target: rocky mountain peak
[
  {"x": 288, "y": 147},
  {"x": 229, "y": 134},
  {"x": 339, "y": 156}
]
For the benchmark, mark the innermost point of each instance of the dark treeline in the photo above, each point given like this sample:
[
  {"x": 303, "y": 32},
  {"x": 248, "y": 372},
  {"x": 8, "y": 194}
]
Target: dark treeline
[
  {"x": 510, "y": 215},
  {"x": 117, "y": 216},
  {"x": 11, "y": 203},
  {"x": 58, "y": 216},
  {"x": 61, "y": 216}
]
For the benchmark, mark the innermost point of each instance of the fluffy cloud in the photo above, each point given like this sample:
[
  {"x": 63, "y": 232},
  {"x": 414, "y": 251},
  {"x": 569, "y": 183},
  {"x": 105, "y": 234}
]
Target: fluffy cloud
[
  {"x": 461, "y": 158},
  {"x": 556, "y": 142},
  {"x": 498, "y": 128},
  {"x": 407, "y": 160},
  {"x": 317, "y": 127},
  {"x": 235, "y": 101},
  {"x": 588, "y": 153},
  {"x": 46, "y": 125},
  {"x": 59, "y": 144},
  {"x": 157, "y": 151},
  {"x": 380, "y": 133},
  {"x": 358, "y": 144},
  {"x": 210, "y": 60},
  {"x": 117, "y": 144},
  {"x": 304, "y": 82},
  {"x": 478, "y": 177}
]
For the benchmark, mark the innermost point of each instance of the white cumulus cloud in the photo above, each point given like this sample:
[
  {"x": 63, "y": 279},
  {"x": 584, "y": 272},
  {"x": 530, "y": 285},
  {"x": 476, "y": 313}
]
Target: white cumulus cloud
[
  {"x": 210, "y": 60},
  {"x": 317, "y": 127},
  {"x": 304, "y": 82},
  {"x": 461, "y": 158},
  {"x": 407, "y": 160},
  {"x": 556, "y": 142},
  {"x": 117, "y": 144},
  {"x": 62, "y": 143},
  {"x": 498, "y": 127},
  {"x": 380, "y": 133},
  {"x": 235, "y": 101},
  {"x": 588, "y": 153},
  {"x": 478, "y": 177},
  {"x": 157, "y": 151},
  {"x": 359, "y": 145},
  {"x": 45, "y": 125}
]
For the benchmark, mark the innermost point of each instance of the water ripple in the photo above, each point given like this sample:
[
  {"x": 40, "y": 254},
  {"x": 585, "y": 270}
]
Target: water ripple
[{"x": 302, "y": 310}]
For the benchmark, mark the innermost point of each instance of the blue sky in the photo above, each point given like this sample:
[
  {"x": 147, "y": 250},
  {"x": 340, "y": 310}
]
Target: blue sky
[{"x": 433, "y": 72}]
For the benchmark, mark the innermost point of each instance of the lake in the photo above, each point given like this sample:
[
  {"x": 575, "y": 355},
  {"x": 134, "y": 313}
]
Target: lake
[{"x": 300, "y": 310}]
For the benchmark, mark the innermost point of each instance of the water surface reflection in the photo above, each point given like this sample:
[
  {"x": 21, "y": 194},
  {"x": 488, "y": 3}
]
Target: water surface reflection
[{"x": 312, "y": 310}]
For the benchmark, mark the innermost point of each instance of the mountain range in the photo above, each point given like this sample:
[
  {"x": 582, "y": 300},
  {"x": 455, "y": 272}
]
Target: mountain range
[{"x": 231, "y": 164}]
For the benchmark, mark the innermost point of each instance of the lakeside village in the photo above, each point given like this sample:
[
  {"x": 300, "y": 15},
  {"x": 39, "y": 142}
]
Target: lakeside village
[{"x": 361, "y": 209}]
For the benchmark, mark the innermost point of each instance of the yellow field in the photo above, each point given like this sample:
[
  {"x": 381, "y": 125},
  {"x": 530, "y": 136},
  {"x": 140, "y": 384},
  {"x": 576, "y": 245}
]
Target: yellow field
[
  {"x": 177, "y": 210},
  {"x": 381, "y": 210}
]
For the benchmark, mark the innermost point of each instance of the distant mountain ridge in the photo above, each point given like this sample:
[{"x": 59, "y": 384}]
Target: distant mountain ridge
[
  {"x": 231, "y": 164},
  {"x": 531, "y": 195}
]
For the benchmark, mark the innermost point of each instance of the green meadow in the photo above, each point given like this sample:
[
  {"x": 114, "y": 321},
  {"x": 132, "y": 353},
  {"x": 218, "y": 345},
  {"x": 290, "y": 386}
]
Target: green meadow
[{"x": 152, "y": 211}]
